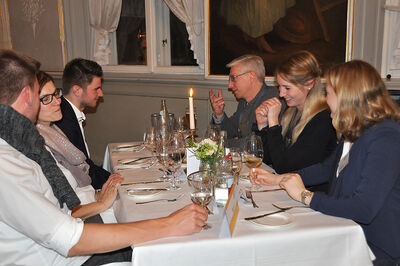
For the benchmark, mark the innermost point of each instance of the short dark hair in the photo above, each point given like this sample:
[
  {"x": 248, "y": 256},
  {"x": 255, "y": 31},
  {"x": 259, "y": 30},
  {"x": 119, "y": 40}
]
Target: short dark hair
[
  {"x": 80, "y": 72},
  {"x": 43, "y": 78},
  {"x": 16, "y": 72}
]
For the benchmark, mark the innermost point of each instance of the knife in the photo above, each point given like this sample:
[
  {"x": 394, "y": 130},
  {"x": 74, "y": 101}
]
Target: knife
[
  {"x": 142, "y": 182},
  {"x": 266, "y": 190},
  {"x": 145, "y": 189},
  {"x": 133, "y": 160},
  {"x": 262, "y": 215}
]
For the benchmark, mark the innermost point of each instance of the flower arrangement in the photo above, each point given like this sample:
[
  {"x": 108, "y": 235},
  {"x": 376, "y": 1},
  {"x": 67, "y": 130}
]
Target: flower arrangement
[{"x": 206, "y": 150}]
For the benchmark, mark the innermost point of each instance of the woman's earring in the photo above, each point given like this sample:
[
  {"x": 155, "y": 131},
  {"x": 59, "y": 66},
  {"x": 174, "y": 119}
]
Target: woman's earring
[{"x": 309, "y": 88}]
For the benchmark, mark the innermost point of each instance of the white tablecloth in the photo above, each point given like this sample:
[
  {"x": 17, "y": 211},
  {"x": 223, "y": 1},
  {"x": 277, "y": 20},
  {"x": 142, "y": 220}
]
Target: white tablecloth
[{"x": 312, "y": 238}]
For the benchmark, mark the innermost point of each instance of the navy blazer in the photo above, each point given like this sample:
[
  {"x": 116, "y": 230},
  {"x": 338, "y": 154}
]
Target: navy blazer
[
  {"x": 367, "y": 190},
  {"x": 70, "y": 126}
]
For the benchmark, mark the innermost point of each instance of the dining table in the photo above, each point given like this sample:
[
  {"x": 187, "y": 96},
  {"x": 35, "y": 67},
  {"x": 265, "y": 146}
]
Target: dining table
[{"x": 297, "y": 236}]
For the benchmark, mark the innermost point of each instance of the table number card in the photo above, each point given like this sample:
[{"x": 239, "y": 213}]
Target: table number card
[
  {"x": 232, "y": 208},
  {"x": 192, "y": 162}
]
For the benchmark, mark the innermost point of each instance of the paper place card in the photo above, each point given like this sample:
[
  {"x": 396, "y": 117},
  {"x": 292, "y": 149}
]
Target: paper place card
[
  {"x": 192, "y": 162},
  {"x": 232, "y": 208}
]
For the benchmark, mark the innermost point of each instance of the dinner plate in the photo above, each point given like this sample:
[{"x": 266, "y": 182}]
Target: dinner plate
[
  {"x": 274, "y": 220},
  {"x": 142, "y": 193}
]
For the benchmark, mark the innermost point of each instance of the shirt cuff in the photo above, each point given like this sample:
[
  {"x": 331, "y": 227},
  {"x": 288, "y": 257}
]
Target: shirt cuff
[{"x": 216, "y": 120}]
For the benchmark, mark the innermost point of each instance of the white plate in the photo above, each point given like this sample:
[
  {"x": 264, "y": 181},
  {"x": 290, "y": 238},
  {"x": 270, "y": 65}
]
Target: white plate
[
  {"x": 143, "y": 193},
  {"x": 274, "y": 220}
]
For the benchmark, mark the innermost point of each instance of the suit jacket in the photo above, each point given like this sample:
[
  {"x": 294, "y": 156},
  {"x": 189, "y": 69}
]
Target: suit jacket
[
  {"x": 70, "y": 126},
  {"x": 231, "y": 124},
  {"x": 367, "y": 190}
]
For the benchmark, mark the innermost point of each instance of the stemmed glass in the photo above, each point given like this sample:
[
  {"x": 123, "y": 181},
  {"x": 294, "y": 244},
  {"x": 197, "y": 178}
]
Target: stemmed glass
[
  {"x": 162, "y": 154},
  {"x": 236, "y": 159},
  {"x": 175, "y": 152},
  {"x": 149, "y": 140},
  {"x": 212, "y": 132},
  {"x": 253, "y": 153},
  {"x": 201, "y": 187}
]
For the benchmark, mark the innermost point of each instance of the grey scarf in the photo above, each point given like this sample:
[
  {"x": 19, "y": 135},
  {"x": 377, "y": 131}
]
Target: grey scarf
[
  {"x": 19, "y": 132},
  {"x": 66, "y": 153}
]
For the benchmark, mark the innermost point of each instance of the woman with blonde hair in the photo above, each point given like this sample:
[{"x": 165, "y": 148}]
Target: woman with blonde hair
[
  {"x": 364, "y": 170},
  {"x": 305, "y": 134}
]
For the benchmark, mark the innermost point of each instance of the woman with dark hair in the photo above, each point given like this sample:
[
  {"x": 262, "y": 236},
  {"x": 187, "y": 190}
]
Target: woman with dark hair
[
  {"x": 364, "y": 171},
  {"x": 305, "y": 135},
  {"x": 70, "y": 159}
]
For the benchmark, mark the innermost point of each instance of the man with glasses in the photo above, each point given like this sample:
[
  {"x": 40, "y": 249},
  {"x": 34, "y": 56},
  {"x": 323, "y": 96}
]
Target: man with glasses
[
  {"x": 246, "y": 81},
  {"x": 82, "y": 81}
]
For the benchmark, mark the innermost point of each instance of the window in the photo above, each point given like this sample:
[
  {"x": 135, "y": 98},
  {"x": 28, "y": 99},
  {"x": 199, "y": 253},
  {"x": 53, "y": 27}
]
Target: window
[{"x": 150, "y": 38}]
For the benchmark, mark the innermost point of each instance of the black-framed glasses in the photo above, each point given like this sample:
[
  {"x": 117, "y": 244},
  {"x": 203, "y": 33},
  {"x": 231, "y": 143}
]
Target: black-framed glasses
[
  {"x": 232, "y": 78},
  {"x": 48, "y": 98}
]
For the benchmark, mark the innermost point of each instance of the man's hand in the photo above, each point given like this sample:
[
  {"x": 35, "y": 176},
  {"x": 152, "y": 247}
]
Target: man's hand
[
  {"x": 261, "y": 176},
  {"x": 187, "y": 220},
  {"x": 274, "y": 109},
  {"x": 261, "y": 115},
  {"x": 293, "y": 184},
  {"x": 217, "y": 103}
]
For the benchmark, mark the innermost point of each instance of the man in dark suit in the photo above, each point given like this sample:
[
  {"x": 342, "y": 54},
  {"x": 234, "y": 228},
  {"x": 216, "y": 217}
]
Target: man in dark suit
[{"x": 82, "y": 80}]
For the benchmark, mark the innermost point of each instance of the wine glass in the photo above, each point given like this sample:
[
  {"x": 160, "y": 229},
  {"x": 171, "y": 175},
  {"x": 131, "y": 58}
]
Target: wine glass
[
  {"x": 149, "y": 140},
  {"x": 201, "y": 187},
  {"x": 176, "y": 152},
  {"x": 162, "y": 155},
  {"x": 212, "y": 132},
  {"x": 253, "y": 154},
  {"x": 236, "y": 158}
]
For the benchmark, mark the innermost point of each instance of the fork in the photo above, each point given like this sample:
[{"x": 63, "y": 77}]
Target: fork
[
  {"x": 250, "y": 196},
  {"x": 163, "y": 200},
  {"x": 288, "y": 208}
]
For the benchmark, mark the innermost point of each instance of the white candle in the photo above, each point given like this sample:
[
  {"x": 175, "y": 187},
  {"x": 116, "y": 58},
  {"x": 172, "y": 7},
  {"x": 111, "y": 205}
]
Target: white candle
[{"x": 191, "y": 109}]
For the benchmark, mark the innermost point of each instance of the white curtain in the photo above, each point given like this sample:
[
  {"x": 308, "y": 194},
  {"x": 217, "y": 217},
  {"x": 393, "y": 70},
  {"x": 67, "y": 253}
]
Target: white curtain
[
  {"x": 393, "y": 9},
  {"x": 104, "y": 18},
  {"x": 191, "y": 12}
]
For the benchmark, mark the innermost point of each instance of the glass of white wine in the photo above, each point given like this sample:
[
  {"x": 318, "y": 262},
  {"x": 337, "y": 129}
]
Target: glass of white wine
[
  {"x": 253, "y": 154},
  {"x": 201, "y": 187},
  {"x": 236, "y": 158}
]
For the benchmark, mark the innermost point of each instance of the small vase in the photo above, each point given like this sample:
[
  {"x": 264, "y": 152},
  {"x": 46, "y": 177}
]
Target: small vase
[{"x": 206, "y": 166}]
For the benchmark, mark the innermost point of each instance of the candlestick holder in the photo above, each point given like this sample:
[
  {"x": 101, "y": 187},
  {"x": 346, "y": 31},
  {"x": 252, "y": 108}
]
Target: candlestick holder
[{"x": 192, "y": 133}]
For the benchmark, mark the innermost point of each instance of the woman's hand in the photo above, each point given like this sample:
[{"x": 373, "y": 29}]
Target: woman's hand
[
  {"x": 109, "y": 190},
  {"x": 261, "y": 115},
  {"x": 293, "y": 184},
  {"x": 261, "y": 176},
  {"x": 274, "y": 109}
]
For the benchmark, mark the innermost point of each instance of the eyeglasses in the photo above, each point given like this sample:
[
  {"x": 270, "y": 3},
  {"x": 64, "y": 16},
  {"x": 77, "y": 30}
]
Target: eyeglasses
[
  {"x": 48, "y": 98},
  {"x": 233, "y": 78}
]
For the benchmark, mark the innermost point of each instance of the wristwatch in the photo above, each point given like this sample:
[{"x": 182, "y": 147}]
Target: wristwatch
[{"x": 305, "y": 195}]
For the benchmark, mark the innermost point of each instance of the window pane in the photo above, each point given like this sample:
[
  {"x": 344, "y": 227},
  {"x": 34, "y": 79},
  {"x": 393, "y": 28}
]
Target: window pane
[
  {"x": 181, "y": 55},
  {"x": 131, "y": 33}
]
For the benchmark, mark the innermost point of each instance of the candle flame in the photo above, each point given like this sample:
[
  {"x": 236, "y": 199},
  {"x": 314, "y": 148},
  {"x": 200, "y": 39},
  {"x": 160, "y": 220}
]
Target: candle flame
[{"x": 191, "y": 92}]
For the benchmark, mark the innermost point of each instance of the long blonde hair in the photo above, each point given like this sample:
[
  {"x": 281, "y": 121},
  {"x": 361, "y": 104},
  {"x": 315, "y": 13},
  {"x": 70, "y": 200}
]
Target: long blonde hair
[
  {"x": 362, "y": 98},
  {"x": 299, "y": 69}
]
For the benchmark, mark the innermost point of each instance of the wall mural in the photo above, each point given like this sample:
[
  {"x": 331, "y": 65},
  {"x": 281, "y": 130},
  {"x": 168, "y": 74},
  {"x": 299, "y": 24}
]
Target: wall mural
[{"x": 32, "y": 9}]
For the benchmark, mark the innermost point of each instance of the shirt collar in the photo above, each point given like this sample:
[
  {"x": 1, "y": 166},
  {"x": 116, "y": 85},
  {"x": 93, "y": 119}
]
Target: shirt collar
[{"x": 79, "y": 115}]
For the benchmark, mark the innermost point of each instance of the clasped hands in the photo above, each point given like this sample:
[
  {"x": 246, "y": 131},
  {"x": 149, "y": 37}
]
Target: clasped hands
[
  {"x": 292, "y": 183},
  {"x": 267, "y": 113}
]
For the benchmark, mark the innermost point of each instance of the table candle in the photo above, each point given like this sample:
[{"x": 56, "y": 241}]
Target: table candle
[{"x": 191, "y": 109}]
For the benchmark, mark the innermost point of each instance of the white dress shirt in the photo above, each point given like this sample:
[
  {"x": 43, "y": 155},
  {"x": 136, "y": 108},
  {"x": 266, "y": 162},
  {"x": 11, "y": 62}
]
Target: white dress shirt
[
  {"x": 33, "y": 228},
  {"x": 81, "y": 117}
]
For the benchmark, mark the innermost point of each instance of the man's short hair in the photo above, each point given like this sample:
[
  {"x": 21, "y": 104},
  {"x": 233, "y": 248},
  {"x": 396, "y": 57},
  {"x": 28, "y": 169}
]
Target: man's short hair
[
  {"x": 16, "y": 72},
  {"x": 250, "y": 62},
  {"x": 80, "y": 72}
]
